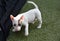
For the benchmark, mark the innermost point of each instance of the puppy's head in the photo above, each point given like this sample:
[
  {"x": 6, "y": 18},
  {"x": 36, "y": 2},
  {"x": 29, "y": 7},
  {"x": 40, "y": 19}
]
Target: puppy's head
[{"x": 16, "y": 23}]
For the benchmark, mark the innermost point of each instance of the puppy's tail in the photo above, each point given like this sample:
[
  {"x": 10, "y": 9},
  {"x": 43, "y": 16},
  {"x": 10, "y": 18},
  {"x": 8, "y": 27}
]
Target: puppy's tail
[{"x": 32, "y": 3}]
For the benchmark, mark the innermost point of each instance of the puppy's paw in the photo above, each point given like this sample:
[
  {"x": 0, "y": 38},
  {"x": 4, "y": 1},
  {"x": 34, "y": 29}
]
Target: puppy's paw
[
  {"x": 39, "y": 27},
  {"x": 26, "y": 34}
]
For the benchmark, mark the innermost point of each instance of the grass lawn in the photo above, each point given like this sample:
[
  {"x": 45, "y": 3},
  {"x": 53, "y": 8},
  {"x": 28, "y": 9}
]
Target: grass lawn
[{"x": 50, "y": 30}]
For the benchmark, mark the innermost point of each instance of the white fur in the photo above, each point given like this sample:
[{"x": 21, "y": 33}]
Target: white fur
[{"x": 29, "y": 17}]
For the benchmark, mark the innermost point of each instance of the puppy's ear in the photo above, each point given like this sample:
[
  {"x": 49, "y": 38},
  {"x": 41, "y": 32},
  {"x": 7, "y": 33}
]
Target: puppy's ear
[
  {"x": 21, "y": 19},
  {"x": 11, "y": 17}
]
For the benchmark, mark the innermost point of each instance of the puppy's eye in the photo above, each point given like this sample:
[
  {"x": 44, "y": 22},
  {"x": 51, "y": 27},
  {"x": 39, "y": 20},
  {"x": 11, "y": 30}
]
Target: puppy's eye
[
  {"x": 19, "y": 24},
  {"x": 14, "y": 24}
]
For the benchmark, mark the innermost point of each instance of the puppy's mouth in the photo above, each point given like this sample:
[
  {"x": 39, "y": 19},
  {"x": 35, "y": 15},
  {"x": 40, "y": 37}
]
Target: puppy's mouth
[{"x": 16, "y": 28}]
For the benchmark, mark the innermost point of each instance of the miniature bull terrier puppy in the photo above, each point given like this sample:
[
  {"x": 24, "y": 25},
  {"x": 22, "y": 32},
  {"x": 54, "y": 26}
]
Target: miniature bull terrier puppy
[{"x": 26, "y": 18}]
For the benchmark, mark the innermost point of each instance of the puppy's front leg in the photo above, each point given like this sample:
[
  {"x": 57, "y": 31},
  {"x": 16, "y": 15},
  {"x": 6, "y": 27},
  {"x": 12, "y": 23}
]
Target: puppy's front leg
[{"x": 26, "y": 29}]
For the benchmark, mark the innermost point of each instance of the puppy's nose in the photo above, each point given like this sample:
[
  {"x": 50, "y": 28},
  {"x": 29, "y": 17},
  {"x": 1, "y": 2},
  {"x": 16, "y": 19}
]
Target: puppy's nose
[{"x": 18, "y": 28}]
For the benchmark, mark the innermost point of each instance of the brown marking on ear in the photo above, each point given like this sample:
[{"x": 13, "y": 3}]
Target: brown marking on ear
[
  {"x": 11, "y": 17},
  {"x": 18, "y": 21},
  {"x": 21, "y": 18}
]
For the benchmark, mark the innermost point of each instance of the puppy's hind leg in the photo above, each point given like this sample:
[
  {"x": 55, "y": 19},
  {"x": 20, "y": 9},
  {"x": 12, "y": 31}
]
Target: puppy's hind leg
[
  {"x": 40, "y": 23},
  {"x": 39, "y": 19}
]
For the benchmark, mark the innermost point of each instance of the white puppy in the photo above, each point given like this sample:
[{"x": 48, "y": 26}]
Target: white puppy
[{"x": 26, "y": 18}]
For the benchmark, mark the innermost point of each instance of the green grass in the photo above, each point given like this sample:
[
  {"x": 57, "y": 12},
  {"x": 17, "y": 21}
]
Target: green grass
[{"x": 50, "y": 30}]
